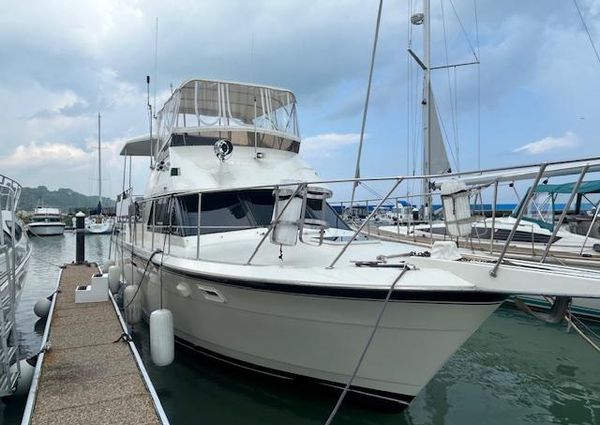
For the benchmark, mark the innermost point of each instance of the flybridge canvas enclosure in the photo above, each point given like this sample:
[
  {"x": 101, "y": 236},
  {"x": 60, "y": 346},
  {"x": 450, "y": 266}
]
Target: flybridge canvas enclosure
[{"x": 201, "y": 111}]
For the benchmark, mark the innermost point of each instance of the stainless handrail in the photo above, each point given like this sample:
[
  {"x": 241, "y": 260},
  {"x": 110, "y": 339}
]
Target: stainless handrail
[
  {"x": 364, "y": 223},
  {"x": 494, "y": 207},
  {"x": 587, "y": 235},
  {"x": 575, "y": 166},
  {"x": 300, "y": 186},
  {"x": 542, "y": 170},
  {"x": 564, "y": 211},
  {"x": 494, "y": 271},
  {"x": 198, "y": 222}
]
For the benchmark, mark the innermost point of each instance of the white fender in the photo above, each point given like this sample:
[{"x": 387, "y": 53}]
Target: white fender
[
  {"x": 133, "y": 309},
  {"x": 162, "y": 338}
]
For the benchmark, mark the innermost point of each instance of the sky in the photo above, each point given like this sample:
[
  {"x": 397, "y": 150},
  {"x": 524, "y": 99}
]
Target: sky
[{"x": 532, "y": 98}]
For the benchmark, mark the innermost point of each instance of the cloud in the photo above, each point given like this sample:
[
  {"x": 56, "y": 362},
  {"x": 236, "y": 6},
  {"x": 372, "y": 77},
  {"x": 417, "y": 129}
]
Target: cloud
[
  {"x": 325, "y": 144},
  {"x": 64, "y": 165},
  {"x": 549, "y": 143},
  {"x": 34, "y": 155}
]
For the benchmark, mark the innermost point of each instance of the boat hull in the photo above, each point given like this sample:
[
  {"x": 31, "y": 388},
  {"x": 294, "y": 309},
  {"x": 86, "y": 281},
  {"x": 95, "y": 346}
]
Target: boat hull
[
  {"x": 47, "y": 229},
  {"x": 98, "y": 228},
  {"x": 318, "y": 337}
]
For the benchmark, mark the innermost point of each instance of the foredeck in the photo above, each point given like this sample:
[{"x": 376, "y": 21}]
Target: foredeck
[{"x": 87, "y": 377}]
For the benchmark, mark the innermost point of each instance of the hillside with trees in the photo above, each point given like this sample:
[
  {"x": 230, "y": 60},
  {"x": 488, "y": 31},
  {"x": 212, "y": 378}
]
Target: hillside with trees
[{"x": 65, "y": 199}]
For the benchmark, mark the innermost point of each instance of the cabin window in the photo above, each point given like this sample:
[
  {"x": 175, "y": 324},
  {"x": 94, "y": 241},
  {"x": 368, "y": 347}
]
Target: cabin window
[
  {"x": 166, "y": 217},
  {"x": 223, "y": 212},
  {"x": 260, "y": 205},
  {"x": 228, "y": 211},
  {"x": 188, "y": 207}
]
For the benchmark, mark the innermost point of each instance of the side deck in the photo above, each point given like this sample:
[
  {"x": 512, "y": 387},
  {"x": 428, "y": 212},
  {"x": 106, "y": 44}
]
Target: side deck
[{"x": 88, "y": 374}]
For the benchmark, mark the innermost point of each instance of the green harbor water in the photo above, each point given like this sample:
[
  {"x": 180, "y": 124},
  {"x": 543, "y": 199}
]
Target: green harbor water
[{"x": 514, "y": 370}]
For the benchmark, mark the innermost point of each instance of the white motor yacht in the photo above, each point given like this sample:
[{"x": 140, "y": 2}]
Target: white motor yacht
[
  {"x": 234, "y": 235},
  {"x": 15, "y": 253},
  {"x": 46, "y": 221}
]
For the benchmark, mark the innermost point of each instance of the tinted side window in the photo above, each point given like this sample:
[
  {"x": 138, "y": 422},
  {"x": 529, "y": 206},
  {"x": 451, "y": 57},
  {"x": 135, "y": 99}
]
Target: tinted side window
[
  {"x": 222, "y": 212},
  {"x": 260, "y": 205},
  {"x": 160, "y": 210},
  {"x": 188, "y": 207}
]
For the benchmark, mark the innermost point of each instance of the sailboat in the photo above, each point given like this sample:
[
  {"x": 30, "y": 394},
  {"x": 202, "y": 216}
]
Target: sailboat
[
  {"x": 234, "y": 235},
  {"x": 525, "y": 237},
  {"x": 98, "y": 222}
]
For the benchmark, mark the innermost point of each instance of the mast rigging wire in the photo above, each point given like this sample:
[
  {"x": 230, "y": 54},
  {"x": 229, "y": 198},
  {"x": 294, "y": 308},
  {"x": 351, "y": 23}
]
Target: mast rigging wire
[
  {"x": 464, "y": 31},
  {"x": 452, "y": 94},
  {"x": 478, "y": 86},
  {"x": 587, "y": 30},
  {"x": 155, "y": 64},
  {"x": 366, "y": 108}
]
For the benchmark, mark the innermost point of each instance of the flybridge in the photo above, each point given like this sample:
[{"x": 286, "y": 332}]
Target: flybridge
[{"x": 202, "y": 111}]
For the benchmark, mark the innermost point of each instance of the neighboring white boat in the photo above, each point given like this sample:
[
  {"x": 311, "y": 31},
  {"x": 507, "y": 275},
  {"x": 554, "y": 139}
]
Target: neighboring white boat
[
  {"x": 534, "y": 232},
  {"x": 234, "y": 235},
  {"x": 530, "y": 237},
  {"x": 46, "y": 221},
  {"x": 99, "y": 223},
  {"x": 15, "y": 253}
]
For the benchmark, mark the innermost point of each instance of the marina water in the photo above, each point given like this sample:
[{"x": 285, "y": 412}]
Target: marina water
[{"x": 514, "y": 370}]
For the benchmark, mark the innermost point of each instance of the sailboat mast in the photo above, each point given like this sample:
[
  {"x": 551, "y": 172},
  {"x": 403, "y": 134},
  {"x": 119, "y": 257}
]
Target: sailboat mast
[
  {"x": 426, "y": 105},
  {"x": 99, "y": 165}
]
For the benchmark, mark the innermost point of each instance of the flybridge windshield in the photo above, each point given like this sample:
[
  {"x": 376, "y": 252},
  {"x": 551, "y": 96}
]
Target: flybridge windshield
[{"x": 212, "y": 105}]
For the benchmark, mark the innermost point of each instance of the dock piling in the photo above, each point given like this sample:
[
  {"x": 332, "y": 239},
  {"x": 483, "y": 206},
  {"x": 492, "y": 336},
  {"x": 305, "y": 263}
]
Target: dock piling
[{"x": 80, "y": 238}]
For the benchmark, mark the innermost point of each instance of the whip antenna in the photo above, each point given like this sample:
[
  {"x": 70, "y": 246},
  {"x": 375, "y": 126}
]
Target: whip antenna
[
  {"x": 149, "y": 118},
  {"x": 155, "y": 63}
]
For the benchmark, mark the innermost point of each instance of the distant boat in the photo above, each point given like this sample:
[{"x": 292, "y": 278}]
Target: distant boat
[
  {"x": 98, "y": 223},
  {"x": 46, "y": 221}
]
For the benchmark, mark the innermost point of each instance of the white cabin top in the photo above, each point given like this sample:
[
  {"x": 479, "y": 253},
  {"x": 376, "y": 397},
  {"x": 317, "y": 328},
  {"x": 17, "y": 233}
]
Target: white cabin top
[
  {"x": 259, "y": 122},
  {"x": 46, "y": 211}
]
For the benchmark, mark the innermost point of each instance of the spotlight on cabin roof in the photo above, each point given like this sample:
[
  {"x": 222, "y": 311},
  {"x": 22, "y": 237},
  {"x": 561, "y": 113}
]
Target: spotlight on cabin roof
[{"x": 417, "y": 18}]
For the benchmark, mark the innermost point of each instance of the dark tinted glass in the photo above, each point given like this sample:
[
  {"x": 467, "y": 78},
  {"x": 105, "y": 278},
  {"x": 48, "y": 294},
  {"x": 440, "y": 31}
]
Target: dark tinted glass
[
  {"x": 188, "y": 205},
  {"x": 260, "y": 205},
  {"x": 229, "y": 211},
  {"x": 161, "y": 217},
  {"x": 222, "y": 212}
]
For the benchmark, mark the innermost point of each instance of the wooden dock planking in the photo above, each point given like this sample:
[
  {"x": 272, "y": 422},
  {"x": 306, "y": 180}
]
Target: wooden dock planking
[{"x": 86, "y": 377}]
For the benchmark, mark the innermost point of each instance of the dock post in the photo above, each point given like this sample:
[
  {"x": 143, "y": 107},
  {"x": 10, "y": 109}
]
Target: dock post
[{"x": 80, "y": 238}]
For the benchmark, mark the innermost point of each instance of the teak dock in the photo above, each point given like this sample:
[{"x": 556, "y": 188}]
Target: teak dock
[{"x": 84, "y": 376}]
